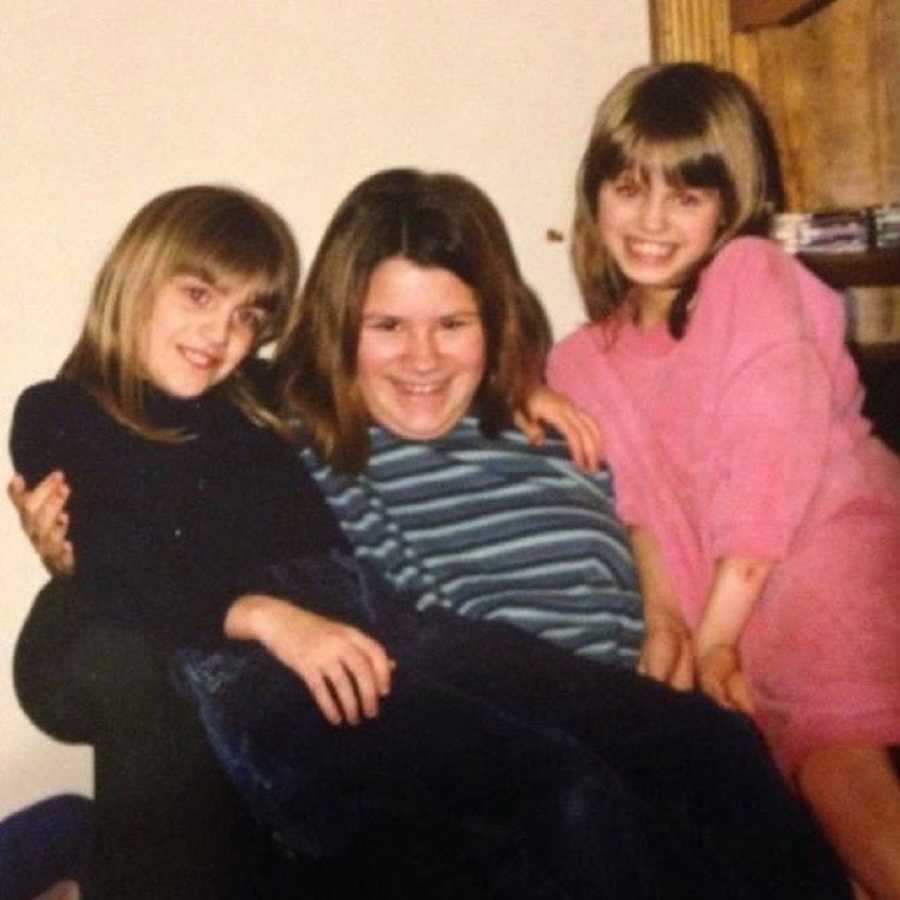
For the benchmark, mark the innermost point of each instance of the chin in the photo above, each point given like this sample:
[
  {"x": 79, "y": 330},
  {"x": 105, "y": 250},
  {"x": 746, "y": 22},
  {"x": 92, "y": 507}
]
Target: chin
[
  {"x": 183, "y": 392},
  {"x": 421, "y": 432}
]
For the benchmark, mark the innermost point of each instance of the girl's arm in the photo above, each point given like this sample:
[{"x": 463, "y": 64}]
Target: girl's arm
[
  {"x": 667, "y": 654},
  {"x": 548, "y": 407},
  {"x": 64, "y": 450},
  {"x": 346, "y": 671},
  {"x": 737, "y": 583}
]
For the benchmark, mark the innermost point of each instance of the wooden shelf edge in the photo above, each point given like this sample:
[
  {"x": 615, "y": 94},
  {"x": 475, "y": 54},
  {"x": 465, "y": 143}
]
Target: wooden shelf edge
[
  {"x": 747, "y": 14},
  {"x": 875, "y": 354},
  {"x": 878, "y": 268}
]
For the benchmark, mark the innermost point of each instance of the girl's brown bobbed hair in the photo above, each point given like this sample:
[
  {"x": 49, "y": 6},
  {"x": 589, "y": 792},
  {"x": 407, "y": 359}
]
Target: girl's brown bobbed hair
[{"x": 704, "y": 128}]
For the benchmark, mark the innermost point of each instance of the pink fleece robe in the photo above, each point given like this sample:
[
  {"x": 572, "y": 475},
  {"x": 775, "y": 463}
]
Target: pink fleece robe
[{"x": 745, "y": 438}]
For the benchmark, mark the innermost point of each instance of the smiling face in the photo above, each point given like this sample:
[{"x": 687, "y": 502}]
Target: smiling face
[
  {"x": 198, "y": 332},
  {"x": 421, "y": 351},
  {"x": 656, "y": 231}
]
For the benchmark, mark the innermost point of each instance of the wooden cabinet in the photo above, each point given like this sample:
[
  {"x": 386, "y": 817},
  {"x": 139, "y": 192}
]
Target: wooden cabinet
[
  {"x": 760, "y": 13},
  {"x": 827, "y": 72}
]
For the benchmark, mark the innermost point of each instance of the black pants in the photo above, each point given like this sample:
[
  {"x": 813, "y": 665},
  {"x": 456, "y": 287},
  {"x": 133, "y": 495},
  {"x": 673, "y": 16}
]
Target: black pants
[{"x": 575, "y": 778}]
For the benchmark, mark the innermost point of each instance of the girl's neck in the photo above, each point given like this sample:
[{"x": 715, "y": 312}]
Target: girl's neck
[{"x": 651, "y": 305}]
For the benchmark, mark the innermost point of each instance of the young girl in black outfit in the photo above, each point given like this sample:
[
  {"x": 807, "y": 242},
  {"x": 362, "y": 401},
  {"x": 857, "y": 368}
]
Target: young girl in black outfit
[
  {"x": 538, "y": 774},
  {"x": 178, "y": 488}
]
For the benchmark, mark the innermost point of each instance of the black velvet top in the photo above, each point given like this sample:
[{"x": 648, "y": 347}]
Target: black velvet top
[{"x": 166, "y": 535}]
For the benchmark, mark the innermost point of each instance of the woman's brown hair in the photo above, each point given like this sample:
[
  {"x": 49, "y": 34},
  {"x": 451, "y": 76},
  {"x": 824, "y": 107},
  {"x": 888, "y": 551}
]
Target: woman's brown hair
[{"x": 432, "y": 220}]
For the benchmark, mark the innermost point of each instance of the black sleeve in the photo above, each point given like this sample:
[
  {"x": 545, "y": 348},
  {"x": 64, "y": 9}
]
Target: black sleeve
[
  {"x": 167, "y": 535},
  {"x": 56, "y": 425},
  {"x": 137, "y": 572},
  {"x": 38, "y": 432}
]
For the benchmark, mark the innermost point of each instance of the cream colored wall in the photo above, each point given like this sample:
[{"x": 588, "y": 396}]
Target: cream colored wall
[{"x": 105, "y": 103}]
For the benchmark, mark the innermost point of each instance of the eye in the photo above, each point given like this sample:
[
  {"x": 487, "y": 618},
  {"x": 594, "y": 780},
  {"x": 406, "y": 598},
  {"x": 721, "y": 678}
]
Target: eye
[
  {"x": 694, "y": 197},
  {"x": 454, "y": 323},
  {"x": 198, "y": 292},
  {"x": 689, "y": 198},
  {"x": 252, "y": 317},
  {"x": 387, "y": 324},
  {"x": 626, "y": 187}
]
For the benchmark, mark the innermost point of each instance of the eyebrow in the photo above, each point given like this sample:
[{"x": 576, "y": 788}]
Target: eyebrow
[
  {"x": 264, "y": 297},
  {"x": 454, "y": 314}
]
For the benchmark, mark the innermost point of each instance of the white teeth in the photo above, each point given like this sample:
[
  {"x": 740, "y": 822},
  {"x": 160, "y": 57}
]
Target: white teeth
[
  {"x": 651, "y": 248},
  {"x": 421, "y": 389},
  {"x": 198, "y": 358}
]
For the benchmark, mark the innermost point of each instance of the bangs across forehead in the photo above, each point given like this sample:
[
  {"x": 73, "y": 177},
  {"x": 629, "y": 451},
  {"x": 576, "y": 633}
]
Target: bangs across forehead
[
  {"x": 218, "y": 268},
  {"x": 690, "y": 161},
  {"x": 235, "y": 245},
  {"x": 431, "y": 238}
]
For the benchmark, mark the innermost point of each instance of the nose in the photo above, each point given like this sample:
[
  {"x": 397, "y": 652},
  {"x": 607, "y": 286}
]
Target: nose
[
  {"x": 422, "y": 349},
  {"x": 653, "y": 211},
  {"x": 216, "y": 326}
]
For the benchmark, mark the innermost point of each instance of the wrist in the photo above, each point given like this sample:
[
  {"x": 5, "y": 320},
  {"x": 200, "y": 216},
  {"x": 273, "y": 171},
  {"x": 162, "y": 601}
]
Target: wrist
[
  {"x": 707, "y": 649},
  {"x": 249, "y": 617},
  {"x": 661, "y": 613}
]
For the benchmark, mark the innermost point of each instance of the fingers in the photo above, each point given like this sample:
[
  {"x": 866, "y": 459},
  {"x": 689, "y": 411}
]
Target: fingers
[
  {"x": 586, "y": 433},
  {"x": 714, "y": 687},
  {"x": 739, "y": 693},
  {"x": 347, "y": 675},
  {"x": 721, "y": 678},
  {"x": 352, "y": 684},
  {"x": 712, "y": 679},
  {"x": 15, "y": 490},
  {"x": 582, "y": 436},
  {"x": 653, "y": 662},
  {"x": 378, "y": 662},
  {"x": 324, "y": 699},
  {"x": 346, "y": 671},
  {"x": 667, "y": 657},
  {"x": 44, "y": 519},
  {"x": 39, "y": 509},
  {"x": 59, "y": 558},
  {"x": 547, "y": 407},
  {"x": 682, "y": 678},
  {"x": 531, "y": 428}
]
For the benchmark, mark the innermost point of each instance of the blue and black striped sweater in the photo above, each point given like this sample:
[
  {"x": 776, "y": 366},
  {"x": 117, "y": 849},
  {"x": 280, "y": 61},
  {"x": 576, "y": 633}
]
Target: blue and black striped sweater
[{"x": 495, "y": 529}]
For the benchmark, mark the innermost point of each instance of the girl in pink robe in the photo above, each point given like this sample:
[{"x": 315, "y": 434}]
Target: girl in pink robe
[{"x": 765, "y": 517}]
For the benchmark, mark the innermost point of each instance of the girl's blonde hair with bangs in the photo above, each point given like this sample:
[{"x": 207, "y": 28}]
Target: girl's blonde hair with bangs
[
  {"x": 210, "y": 231},
  {"x": 704, "y": 128}
]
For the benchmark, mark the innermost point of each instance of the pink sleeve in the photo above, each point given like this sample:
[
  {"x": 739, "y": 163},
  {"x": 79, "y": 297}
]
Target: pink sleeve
[
  {"x": 770, "y": 459},
  {"x": 774, "y": 412}
]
